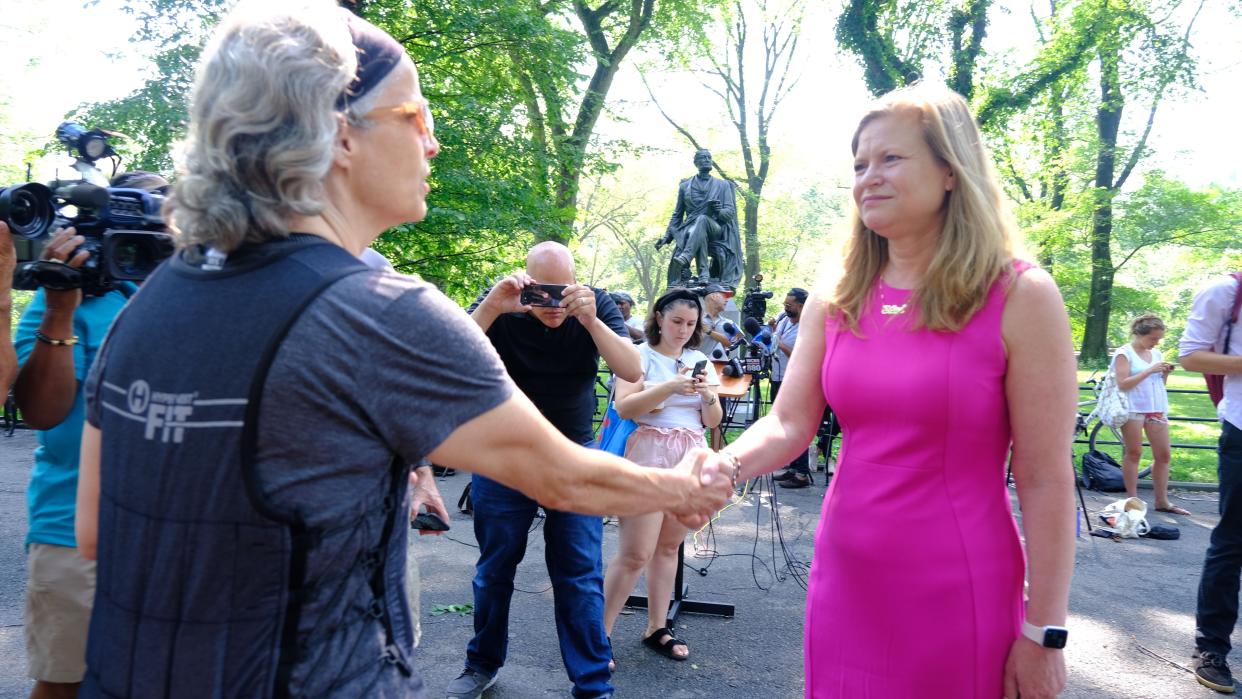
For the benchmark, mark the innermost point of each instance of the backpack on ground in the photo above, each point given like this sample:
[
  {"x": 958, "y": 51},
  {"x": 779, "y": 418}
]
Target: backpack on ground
[
  {"x": 1100, "y": 472},
  {"x": 1216, "y": 382}
]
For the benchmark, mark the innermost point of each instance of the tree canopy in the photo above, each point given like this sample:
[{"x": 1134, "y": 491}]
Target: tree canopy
[{"x": 525, "y": 95}]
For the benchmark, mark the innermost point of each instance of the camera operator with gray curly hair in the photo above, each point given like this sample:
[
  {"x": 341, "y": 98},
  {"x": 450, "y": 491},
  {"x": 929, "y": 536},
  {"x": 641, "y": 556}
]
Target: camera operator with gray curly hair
[{"x": 253, "y": 412}]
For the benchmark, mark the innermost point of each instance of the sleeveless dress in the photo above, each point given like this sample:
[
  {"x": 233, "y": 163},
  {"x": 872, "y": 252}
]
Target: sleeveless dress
[{"x": 917, "y": 580}]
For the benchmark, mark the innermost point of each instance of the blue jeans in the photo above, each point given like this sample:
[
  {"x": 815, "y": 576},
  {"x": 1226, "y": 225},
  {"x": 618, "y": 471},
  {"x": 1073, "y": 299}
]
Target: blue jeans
[
  {"x": 1218, "y": 588},
  {"x": 572, "y": 549}
]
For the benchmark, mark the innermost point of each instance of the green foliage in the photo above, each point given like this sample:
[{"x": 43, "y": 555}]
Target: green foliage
[
  {"x": 153, "y": 118},
  {"x": 463, "y": 609},
  {"x": 515, "y": 108},
  {"x": 1164, "y": 211},
  {"x": 893, "y": 40}
]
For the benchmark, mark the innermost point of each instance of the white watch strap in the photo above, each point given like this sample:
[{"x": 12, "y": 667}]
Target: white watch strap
[{"x": 1033, "y": 632}]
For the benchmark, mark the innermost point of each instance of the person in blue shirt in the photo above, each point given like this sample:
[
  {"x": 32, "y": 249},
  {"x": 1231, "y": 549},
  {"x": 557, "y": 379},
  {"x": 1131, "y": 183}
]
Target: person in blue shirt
[{"x": 57, "y": 339}]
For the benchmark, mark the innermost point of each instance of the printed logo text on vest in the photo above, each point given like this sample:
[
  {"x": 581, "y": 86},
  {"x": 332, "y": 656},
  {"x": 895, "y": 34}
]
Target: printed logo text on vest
[{"x": 165, "y": 414}]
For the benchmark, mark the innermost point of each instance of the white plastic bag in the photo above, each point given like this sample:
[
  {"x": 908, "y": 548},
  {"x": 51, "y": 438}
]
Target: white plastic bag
[{"x": 1125, "y": 518}]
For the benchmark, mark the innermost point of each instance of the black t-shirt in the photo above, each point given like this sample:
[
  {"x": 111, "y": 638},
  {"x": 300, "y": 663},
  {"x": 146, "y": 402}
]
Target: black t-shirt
[{"x": 555, "y": 367}]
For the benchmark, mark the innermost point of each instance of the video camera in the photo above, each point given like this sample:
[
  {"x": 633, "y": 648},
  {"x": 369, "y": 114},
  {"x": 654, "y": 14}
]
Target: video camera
[
  {"x": 755, "y": 303},
  {"x": 124, "y": 231}
]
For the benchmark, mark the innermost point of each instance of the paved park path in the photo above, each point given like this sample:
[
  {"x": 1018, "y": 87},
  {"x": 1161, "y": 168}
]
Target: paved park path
[{"x": 1132, "y": 606}]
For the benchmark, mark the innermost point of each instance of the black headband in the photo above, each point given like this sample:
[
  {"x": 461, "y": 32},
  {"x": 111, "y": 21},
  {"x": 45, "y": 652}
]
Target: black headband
[
  {"x": 378, "y": 53},
  {"x": 677, "y": 294}
]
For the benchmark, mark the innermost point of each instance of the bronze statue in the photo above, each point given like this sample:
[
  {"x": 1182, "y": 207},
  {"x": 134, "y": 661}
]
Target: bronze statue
[{"x": 704, "y": 229}]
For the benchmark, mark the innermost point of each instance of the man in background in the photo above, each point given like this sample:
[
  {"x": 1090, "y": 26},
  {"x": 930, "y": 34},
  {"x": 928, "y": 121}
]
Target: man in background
[
  {"x": 552, "y": 353},
  {"x": 1204, "y": 348},
  {"x": 798, "y": 473},
  {"x": 715, "y": 298},
  {"x": 633, "y": 323}
]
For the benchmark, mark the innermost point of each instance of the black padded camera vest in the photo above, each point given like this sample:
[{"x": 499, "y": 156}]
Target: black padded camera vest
[{"x": 202, "y": 579}]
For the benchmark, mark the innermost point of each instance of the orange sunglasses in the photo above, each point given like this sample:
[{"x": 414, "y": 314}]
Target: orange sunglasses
[{"x": 417, "y": 110}]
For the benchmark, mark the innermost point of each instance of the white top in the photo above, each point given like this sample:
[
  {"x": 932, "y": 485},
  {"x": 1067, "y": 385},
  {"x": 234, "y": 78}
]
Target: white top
[
  {"x": 637, "y": 323},
  {"x": 1149, "y": 396},
  {"x": 1205, "y": 330},
  {"x": 677, "y": 410}
]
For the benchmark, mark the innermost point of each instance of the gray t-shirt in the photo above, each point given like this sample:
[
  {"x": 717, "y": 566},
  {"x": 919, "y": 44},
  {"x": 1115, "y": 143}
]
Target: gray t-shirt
[
  {"x": 364, "y": 374},
  {"x": 708, "y": 342},
  {"x": 786, "y": 332}
]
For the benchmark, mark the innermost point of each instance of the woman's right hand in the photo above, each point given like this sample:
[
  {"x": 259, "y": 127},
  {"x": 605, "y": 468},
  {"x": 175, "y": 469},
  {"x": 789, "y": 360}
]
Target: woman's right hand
[
  {"x": 682, "y": 384},
  {"x": 714, "y": 480}
]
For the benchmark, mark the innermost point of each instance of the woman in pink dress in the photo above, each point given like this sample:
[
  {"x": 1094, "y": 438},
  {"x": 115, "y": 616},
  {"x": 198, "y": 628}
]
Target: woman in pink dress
[{"x": 939, "y": 351}]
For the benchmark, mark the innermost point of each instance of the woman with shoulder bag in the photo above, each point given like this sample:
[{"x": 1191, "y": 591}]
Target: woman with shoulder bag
[{"x": 1142, "y": 374}]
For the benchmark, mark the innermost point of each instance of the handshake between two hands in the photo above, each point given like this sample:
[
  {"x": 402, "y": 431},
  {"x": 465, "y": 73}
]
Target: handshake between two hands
[{"x": 713, "y": 480}]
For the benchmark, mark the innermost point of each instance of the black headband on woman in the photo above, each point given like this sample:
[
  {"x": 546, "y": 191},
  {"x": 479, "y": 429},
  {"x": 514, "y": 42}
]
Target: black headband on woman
[
  {"x": 378, "y": 54},
  {"x": 677, "y": 294}
]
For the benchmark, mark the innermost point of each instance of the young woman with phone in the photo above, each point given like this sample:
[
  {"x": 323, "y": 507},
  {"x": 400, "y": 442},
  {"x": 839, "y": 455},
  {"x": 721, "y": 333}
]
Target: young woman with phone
[
  {"x": 1142, "y": 374},
  {"x": 674, "y": 403}
]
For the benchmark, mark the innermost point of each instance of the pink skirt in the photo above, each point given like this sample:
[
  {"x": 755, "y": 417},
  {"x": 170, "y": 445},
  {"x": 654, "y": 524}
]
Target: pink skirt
[{"x": 662, "y": 447}]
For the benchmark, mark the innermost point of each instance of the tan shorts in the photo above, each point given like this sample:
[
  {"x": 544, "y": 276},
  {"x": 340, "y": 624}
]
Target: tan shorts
[{"x": 60, "y": 588}]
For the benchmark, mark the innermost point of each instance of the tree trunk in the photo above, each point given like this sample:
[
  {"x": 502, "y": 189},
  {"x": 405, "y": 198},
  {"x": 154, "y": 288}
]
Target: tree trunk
[
  {"x": 571, "y": 149},
  {"x": 966, "y": 50},
  {"x": 1100, "y": 305},
  {"x": 1056, "y": 178},
  {"x": 750, "y": 238},
  {"x": 1108, "y": 122}
]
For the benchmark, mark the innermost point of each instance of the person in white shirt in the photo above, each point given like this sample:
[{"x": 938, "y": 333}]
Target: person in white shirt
[
  {"x": 1141, "y": 375},
  {"x": 633, "y": 323},
  {"x": 1209, "y": 344},
  {"x": 671, "y": 405}
]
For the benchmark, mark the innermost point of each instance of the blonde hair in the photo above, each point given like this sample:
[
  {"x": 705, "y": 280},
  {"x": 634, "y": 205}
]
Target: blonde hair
[
  {"x": 976, "y": 244},
  {"x": 1146, "y": 324}
]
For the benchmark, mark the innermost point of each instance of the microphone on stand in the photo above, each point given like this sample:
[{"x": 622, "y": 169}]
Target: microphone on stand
[{"x": 759, "y": 333}]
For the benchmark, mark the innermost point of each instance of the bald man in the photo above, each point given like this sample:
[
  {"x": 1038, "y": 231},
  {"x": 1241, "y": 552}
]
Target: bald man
[{"x": 552, "y": 353}]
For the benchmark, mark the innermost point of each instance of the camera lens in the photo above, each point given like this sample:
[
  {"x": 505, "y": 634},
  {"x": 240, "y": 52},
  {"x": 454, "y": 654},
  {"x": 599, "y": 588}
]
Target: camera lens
[
  {"x": 27, "y": 209},
  {"x": 94, "y": 146}
]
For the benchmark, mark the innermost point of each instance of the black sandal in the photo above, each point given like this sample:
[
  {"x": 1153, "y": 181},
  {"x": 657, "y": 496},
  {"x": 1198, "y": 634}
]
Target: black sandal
[{"x": 663, "y": 642}]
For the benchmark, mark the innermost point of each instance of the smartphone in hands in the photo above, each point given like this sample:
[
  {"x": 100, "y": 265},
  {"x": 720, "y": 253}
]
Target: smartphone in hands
[
  {"x": 546, "y": 295},
  {"x": 699, "y": 369}
]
